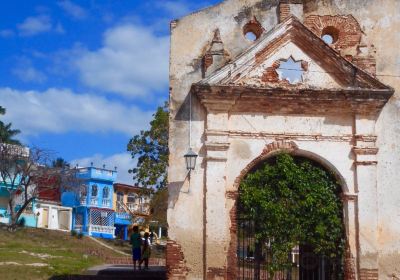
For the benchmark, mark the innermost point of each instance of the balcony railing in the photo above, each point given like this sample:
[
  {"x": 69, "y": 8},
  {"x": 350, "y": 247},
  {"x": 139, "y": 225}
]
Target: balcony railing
[
  {"x": 105, "y": 202},
  {"x": 139, "y": 208},
  {"x": 83, "y": 200},
  {"x": 102, "y": 229},
  {"x": 93, "y": 201}
]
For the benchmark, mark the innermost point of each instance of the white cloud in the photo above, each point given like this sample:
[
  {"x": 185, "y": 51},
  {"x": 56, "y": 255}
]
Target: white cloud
[
  {"x": 133, "y": 62},
  {"x": 26, "y": 72},
  {"x": 59, "y": 28},
  {"x": 122, "y": 161},
  {"x": 61, "y": 110},
  {"x": 6, "y": 33},
  {"x": 35, "y": 25},
  {"x": 175, "y": 8},
  {"x": 73, "y": 9}
]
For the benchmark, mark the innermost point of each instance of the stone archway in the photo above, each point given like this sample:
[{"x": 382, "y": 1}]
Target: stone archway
[{"x": 348, "y": 204}]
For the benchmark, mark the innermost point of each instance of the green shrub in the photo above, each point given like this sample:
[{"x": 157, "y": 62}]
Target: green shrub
[
  {"x": 73, "y": 232},
  {"x": 293, "y": 201}
]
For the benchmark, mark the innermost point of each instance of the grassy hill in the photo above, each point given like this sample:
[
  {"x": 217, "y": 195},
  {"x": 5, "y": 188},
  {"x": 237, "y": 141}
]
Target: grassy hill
[{"x": 39, "y": 254}]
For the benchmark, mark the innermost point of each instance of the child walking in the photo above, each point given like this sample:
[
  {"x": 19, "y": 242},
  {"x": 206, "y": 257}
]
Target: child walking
[{"x": 146, "y": 251}]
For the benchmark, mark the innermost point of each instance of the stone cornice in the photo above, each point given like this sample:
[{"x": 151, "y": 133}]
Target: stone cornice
[
  {"x": 216, "y": 158},
  {"x": 213, "y": 132},
  {"x": 365, "y": 138},
  {"x": 281, "y": 136},
  {"x": 217, "y": 146},
  {"x": 367, "y": 162},
  {"x": 291, "y": 100},
  {"x": 349, "y": 196}
]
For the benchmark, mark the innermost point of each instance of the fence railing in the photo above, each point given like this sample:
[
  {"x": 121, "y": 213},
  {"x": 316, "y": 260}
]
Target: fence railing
[
  {"x": 78, "y": 228},
  {"x": 101, "y": 229}
]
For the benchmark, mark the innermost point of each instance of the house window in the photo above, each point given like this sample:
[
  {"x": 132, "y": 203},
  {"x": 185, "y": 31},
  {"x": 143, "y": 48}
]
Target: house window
[
  {"x": 330, "y": 34},
  {"x": 94, "y": 190},
  {"x": 132, "y": 198},
  {"x": 106, "y": 192},
  {"x": 120, "y": 201},
  {"x": 83, "y": 191}
]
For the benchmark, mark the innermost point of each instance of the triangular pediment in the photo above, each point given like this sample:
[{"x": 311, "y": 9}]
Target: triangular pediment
[{"x": 291, "y": 56}]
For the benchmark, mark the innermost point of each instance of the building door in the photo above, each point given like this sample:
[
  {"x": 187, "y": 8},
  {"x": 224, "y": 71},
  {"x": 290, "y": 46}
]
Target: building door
[
  {"x": 53, "y": 224},
  {"x": 63, "y": 219},
  {"x": 45, "y": 218}
]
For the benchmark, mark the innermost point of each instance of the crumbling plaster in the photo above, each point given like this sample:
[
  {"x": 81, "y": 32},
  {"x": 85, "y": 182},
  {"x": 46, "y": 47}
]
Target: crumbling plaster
[{"x": 190, "y": 37}]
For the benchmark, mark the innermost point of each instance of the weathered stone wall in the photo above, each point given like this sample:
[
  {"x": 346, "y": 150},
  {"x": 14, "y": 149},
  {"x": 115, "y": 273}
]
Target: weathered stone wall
[{"x": 199, "y": 214}]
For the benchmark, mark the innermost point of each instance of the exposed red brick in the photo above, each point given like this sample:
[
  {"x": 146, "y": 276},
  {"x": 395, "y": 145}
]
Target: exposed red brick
[
  {"x": 349, "y": 265},
  {"x": 368, "y": 64},
  {"x": 304, "y": 65},
  {"x": 345, "y": 29},
  {"x": 348, "y": 57},
  {"x": 268, "y": 150},
  {"x": 284, "y": 11},
  {"x": 207, "y": 61},
  {"x": 270, "y": 75},
  {"x": 253, "y": 26},
  {"x": 175, "y": 261},
  {"x": 216, "y": 272},
  {"x": 232, "y": 257},
  {"x": 369, "y": 274}
]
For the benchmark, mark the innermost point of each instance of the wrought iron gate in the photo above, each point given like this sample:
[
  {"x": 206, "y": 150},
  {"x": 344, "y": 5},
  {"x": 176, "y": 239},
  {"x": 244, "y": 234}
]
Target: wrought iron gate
[{"x": 254, "y": 259}]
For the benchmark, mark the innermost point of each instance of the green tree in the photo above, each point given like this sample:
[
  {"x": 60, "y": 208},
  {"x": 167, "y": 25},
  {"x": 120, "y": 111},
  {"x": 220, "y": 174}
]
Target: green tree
[
  {"x": 159, "y": 207},
  {"x": 7, "y": 134},
  {"x": 293, "y": 201},
  {"x": 60, "y": 163},
  {"x": 150, "y": 148}
]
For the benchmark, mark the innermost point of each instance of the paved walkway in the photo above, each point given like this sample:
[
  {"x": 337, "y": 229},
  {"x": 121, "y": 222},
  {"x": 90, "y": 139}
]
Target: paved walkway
[{"x": 108, "y": 272}]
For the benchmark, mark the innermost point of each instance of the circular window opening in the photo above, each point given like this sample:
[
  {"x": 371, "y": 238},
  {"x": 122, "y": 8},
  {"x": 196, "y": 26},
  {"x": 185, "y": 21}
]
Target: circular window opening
[
  {"x": 252, "y": 30},
  {"x": 250, "y": 36},
  {"x": 330, "y": 35},
  {"x": 327, "y": 39}
]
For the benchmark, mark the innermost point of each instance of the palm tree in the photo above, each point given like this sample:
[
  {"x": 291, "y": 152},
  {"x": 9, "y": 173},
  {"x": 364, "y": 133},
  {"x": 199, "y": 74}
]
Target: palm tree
[{"x": 7, "y": 134}]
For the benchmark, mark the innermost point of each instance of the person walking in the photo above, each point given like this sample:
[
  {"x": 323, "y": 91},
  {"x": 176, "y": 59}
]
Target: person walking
[
  {"x": 151, "y": 237},
  {"x": 136, "y": 242},
  {"x": 146, "y": 251}
]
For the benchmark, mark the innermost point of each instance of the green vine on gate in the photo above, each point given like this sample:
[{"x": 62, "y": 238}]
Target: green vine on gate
[{"x": 293, "y": 201}]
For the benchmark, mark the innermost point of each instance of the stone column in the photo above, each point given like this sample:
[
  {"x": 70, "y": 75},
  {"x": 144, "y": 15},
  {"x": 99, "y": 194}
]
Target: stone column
[
  {"x": 349, "y": 205},
  {"x": 216, "y": 215},
  {"x": 365, "y": 159}
]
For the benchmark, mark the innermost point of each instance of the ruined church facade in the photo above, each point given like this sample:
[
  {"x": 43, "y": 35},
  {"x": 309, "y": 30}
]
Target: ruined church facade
[{"x": 315, "y": 78}]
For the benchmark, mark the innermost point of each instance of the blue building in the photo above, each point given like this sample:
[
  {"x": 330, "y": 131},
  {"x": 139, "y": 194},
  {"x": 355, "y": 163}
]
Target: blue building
[{"x": 92, "y": 202}]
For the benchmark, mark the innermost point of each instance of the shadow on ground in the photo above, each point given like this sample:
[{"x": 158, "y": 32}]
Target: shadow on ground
[{"x": 108, "y": 272}]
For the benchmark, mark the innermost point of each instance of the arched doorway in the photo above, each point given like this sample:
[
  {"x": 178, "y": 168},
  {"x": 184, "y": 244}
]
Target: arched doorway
[{"x": 290, "y": 221}]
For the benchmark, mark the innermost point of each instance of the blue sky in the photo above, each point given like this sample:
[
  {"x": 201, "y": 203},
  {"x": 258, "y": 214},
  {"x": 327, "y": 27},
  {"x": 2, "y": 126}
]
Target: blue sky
[{"x": 81, "y": 78}]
